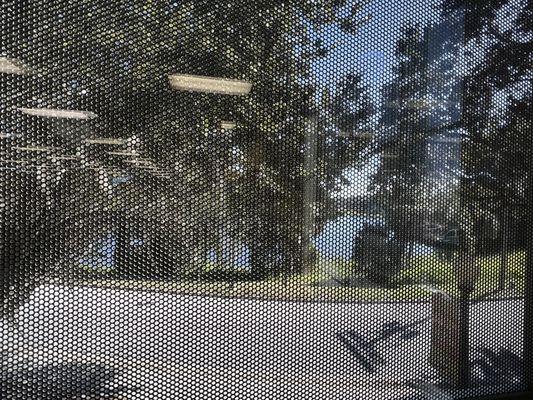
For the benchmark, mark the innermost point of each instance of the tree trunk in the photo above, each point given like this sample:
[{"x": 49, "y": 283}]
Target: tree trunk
[
  {"x": 502, "y": 273},
  {"x": 258, "y": 261},
  {"x": 198, "y": 251},
  {"x": 124, "y": 264},
  {"x": 409, "y": 255},
  {"x": 169, "y": 257}
]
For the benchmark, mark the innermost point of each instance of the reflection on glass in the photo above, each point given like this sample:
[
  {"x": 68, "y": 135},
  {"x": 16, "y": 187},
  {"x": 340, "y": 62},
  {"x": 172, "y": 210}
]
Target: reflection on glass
[
  {"x": 56, "y": 113},
  {"x": 12, "y": 66},
  {"x": 207, "y": 84},
  {"x": 366, "y": 178},
  {"x": 109, "y": 141}
]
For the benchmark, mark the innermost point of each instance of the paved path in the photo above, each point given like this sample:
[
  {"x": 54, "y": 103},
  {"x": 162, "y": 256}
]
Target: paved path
[{"x": 173, "y": 346}]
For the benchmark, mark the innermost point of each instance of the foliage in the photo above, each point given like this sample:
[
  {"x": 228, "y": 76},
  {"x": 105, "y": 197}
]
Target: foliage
[
  {"x": 481, "y": 110},
  {"x": 113, "y": 59},
  {"x": 496, "y": 108},
  {"x": 378, "y": 255}
]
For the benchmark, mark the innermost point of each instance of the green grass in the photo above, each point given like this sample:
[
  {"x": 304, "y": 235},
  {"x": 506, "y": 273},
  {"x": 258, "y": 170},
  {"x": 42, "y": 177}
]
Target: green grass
[
  {"x": 264, "y": 290},
  {"x": 424, "y": 270},
  {"x": 429, "y": 270}
]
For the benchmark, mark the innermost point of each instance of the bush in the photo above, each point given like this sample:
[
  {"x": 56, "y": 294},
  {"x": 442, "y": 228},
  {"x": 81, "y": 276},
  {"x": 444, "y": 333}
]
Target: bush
[{"x": 378, "y": 255}]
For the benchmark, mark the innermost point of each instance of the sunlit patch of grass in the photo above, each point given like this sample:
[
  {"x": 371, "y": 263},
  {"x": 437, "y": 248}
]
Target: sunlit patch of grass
[
  {"x": 425, "y": 270},
  {"x": 430, "y": 270},
  {"x": 88, "y": 270},
  {"x": 517, "y": 267}
]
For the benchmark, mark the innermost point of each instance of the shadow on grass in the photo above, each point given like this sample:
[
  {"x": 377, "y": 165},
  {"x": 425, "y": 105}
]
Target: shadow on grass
[
  {"x": 362, "y": 282},
  {"x": 357, "y": 282},
  {"x": 59, "y": 381},
  {"x": 229, "y": 276}
]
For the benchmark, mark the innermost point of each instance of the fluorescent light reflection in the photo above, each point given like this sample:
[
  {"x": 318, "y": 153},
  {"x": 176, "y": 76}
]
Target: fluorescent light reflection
[
  {"x": 38, "y": 149},
  {"x": 58, "y": 113},
  {"x": 106, "y": 141},
  {"x": 227, "y": 125},
  {"x": 66, "y": 158},
  {"x": 13, "y": 66},
  {"x": 206, "y": 84}
]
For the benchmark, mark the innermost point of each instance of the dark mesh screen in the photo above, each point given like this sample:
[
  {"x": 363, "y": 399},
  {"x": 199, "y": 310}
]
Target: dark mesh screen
[{"x": 297, "y": 199}]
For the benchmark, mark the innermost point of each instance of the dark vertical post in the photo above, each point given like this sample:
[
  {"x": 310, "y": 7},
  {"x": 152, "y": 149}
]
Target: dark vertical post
[
  {"x": 504, "y": 255},
  {"x": 528, "y": 298},
  {"x": 468, "y": 271},
  {"x": 464, "y": 347}
]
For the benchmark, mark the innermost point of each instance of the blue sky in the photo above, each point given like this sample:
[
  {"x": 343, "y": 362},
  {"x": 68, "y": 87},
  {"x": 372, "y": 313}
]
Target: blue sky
[{"x": 371, "y": 53}]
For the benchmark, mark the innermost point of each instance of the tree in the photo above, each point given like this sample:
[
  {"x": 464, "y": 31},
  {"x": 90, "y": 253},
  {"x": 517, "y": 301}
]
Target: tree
[
  {"x": 496, "y": 110},
  {"x": 114, "y": 60},
  {"x": 405, "y": 117},
  {"x": 378, "y": 255},
  {"x": 40, "y": 224}
]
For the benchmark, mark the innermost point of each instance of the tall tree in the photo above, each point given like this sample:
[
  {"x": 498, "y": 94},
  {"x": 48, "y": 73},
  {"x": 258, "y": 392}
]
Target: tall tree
[
  {"x": 114, "y": 60},
  {"x": 405, "y": 119},
  {"x": 496, "y": 108}
]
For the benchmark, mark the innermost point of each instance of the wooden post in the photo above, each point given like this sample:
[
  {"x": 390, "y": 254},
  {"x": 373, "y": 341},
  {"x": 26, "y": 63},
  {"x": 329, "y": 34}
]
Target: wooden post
[
  {"x": 468, "y": 271},
  {"x": 444, "y": 352},
  {"x": 450, "y": 347}
]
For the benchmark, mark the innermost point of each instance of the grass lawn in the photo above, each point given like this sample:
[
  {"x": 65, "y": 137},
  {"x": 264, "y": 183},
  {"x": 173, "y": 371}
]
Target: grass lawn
[
  {"x": 425, "y": 271},
  {"x": 440, "y": 274}
]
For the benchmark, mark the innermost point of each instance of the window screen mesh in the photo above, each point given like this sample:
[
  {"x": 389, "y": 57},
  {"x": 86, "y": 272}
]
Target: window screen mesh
[{"x": 308, "y": 199}]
